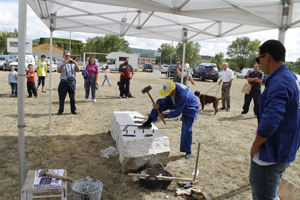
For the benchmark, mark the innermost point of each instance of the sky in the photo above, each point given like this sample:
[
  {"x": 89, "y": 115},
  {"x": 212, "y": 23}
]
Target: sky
[{"x": 36, "y": 29}]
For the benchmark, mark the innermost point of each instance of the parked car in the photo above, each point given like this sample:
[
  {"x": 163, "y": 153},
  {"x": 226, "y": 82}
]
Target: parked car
[
  {"x": 171, "y": 70},
  {"x": 164, "y": 68},
  {"x": 54, "y": 65},
  {"x": 8, "y": 60},
  {"x": 243, "y": 73},
  {"x": 2, "y": 61},
  {"x": 29, "y": 59},
  {"x": 148, "y": 67},
  {"x": 206, "y": 71}
]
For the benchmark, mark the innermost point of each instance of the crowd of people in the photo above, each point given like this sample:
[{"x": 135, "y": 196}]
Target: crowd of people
[{"x": 277, "y": 136}]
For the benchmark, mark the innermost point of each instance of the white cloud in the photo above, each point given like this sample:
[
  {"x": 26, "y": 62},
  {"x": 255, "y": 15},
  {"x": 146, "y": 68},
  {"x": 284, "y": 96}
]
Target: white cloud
[{"x": 36, "y": 29}]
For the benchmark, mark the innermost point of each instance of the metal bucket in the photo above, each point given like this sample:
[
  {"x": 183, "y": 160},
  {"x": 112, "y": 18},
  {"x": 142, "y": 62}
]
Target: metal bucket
[{"x": 87, "y": 189}]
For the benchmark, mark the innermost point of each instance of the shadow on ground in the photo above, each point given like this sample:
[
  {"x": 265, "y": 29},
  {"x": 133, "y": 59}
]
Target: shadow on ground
[{"x": 79, "y": 155}]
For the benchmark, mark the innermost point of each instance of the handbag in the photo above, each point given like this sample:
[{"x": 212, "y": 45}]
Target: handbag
[
  {"x": 70, "y": 79},
  {"x": 246, "y": 88}
]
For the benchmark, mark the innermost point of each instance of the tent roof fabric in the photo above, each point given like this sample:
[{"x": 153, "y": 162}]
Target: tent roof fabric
[{"x": 165, "y": 19}]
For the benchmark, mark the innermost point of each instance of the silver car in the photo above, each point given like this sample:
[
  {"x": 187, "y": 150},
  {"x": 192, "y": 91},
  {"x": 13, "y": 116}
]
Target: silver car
[{"x": 2, "y": 61}]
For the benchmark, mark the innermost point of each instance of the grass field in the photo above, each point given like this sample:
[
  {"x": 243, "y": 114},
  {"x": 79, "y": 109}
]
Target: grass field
[{"x": 76, "y": 140}]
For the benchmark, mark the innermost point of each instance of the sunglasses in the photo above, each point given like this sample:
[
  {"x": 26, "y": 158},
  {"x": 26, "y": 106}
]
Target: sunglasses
[
  {"x": 68, "y": 55},
  {"x": 257, "y": 59}
]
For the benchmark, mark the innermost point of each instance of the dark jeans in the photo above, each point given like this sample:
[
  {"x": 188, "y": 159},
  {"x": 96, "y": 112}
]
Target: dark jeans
[
  {"x": 248, "y": 98},
  {"x": 90, "y": 83},
  {"x": 63, "y": 88},
  {"x": 14, "y": 88},
  {"x": 41, "y": 79},
  {"x": 31, "y": 88},
  {"x": 265, "y": 180},
  {"x": 124, "y": 87}
]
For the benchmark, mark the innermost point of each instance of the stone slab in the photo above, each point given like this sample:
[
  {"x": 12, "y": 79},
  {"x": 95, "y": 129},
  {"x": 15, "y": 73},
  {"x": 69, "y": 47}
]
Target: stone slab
[{"x": 135, "y": 153}]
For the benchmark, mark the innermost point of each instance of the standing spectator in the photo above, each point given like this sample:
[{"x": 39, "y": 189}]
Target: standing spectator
[
  {"x": 278, "y": 135},
  {"x": 177, "y": 74},
  {"x": 30, "y": 82},
  {"x": 181, "y": 100},
  {"x": 92, "y": 80},
  {"x": 124, "y": 70},
  {"x": 227, "y": 78},
  {"x": 255, "y": 79},
  {"x": 106, "y": 71},
  {"x": 13, "y": 81},
  {"x": 187, "y": 76},
  {"x": 41, "y": 73},
  {"x": 67, "y": 69}
]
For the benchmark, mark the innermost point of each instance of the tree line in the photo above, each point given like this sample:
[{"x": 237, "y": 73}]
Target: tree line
[{"x": 241, "y": 52}]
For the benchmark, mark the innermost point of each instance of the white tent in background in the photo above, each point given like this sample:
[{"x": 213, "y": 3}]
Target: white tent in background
[{"x": 156, "y": 19}]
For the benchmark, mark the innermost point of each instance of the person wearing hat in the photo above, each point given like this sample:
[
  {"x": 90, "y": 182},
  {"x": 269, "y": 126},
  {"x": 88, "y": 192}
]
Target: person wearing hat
[
  {"x": 181, "y": 100},
  {"x": 187, "y": 76}
]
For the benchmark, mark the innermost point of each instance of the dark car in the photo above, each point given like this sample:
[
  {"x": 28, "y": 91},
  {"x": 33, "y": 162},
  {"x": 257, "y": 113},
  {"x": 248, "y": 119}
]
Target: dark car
[
  {"x": 206, "y": 71},
  {"x": 148, "y": 68},
  {"x": 171, "y": 70}
]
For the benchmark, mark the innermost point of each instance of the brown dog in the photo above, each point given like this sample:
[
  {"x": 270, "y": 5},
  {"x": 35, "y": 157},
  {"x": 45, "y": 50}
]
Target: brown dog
[
  {"x": 129, "y": 95},
  {"x": 206, "y": 99}
]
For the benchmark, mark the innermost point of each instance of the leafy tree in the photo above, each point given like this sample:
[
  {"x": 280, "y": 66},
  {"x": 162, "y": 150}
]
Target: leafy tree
[
  {"x": 165, "y": 50},
  {"x": 297, "y": 66},
  {"x": 107, "y": 44},
  {"x": 218, "y": 59},
  {"x": 192, "y": 51},
  {"x": 243, "y": 51}
]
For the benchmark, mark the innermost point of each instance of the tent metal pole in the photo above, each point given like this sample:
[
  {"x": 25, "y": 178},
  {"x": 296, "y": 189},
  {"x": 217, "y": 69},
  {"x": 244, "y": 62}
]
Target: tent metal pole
[
  {"x": 184, "y": 31},
  {"x": 70, "y": 42},
  {"x": 283, "y": 28},
  {"x": 22, "y": 20},
  {"x": 171, "y": 54},
  {"x": 50, "y": 78}
]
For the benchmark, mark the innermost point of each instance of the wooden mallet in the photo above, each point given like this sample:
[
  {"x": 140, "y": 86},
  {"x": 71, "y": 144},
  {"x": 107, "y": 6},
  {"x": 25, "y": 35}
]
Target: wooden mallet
[
  {"x": 45, "y": 172},
  {"x": 147, "y": 89}
]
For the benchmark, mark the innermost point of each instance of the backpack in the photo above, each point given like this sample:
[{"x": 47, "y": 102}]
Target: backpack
[{"x": 85, "y": 73}]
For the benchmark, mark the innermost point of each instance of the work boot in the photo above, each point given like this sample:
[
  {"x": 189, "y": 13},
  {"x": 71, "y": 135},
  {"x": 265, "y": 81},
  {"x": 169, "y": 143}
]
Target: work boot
[
  {"x": 188, "y": 155},
  {"x": 147, "y": 124}
]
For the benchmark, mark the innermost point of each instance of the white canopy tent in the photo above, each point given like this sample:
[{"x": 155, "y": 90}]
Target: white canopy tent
[{"x": 176, "y": 20}]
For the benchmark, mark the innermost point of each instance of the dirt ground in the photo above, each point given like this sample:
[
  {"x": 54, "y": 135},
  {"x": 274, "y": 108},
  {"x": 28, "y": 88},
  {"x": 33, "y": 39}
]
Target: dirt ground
[{"x": 75, "y": 141}]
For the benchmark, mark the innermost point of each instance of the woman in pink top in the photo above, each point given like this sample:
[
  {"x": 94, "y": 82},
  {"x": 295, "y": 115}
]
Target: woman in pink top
[
  {"x": 106, "y": 71},
  {"x": 90, "y": 82}
]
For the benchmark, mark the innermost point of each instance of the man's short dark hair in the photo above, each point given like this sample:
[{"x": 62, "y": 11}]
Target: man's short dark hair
[
  {"x": 65, "y": 52},
  {"x": 43, "y": 56},
  {"x": 30, "y": 65},
  {"x": 179, "y": 61},
  {"x": 274, "y": 48}
]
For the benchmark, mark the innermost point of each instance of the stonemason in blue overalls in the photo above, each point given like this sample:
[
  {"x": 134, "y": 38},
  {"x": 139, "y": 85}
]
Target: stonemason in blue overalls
[{"x": 182, "y": 100}]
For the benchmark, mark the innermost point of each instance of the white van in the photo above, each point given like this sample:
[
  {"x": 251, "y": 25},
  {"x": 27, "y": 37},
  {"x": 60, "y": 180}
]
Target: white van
[
  {"x": 29, "y": 59},
  {"x": 243, "y": 73},
  {"x": 114, "y": 59}
]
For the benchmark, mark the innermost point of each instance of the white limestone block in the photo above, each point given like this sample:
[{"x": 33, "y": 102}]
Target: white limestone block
[{"x": 140, "y": 151}]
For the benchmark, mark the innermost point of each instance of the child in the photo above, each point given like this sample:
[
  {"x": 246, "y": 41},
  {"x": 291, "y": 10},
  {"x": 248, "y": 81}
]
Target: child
[
  {"x": 106, "y": 71},
  {"x": 41, "y": 73},
  {"x": 13, "y": 81},
  {"x": 30, "y": 82}
]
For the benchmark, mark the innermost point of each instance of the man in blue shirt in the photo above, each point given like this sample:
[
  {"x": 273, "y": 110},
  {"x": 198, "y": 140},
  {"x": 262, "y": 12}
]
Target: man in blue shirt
[
  {"x": 277, "y": 139},
  {"x": 181, "y": 100},
  {"x": 254, "y": 78}
]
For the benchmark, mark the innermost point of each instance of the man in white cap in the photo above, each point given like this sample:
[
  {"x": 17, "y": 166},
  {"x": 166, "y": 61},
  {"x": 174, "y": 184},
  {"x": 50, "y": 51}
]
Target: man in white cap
[{"x": 182, "y": 100}]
